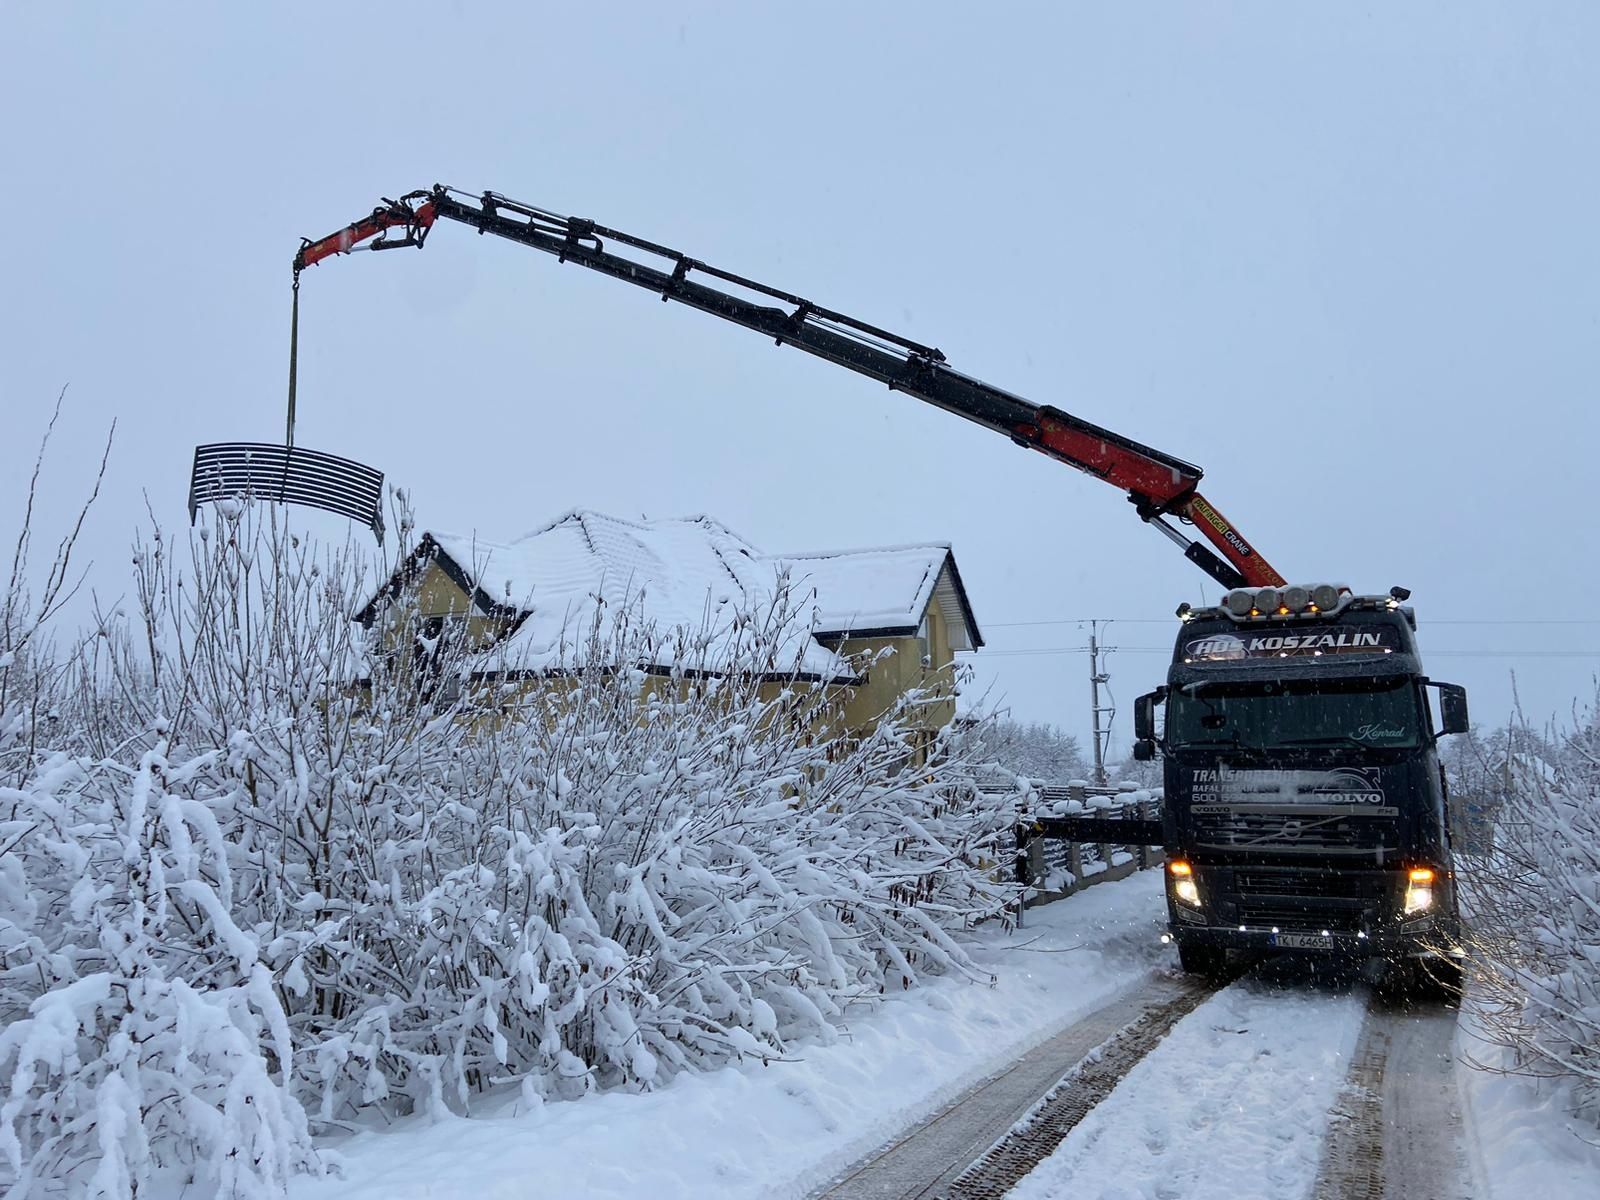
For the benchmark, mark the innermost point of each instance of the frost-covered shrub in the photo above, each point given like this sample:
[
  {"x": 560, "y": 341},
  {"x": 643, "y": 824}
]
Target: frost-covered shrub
[
  {"x": 256, "y": 877},
  {"x": 153, "y": 1046},
  {"x": 137, "y": 1029},
  {"x": 1536, "y": 912}
]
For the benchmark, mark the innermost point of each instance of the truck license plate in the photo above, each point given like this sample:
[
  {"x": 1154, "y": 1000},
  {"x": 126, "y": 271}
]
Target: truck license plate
[{"x": 1303, "y": 941}]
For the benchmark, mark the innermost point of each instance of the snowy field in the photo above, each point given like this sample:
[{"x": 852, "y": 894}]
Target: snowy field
[
  {"x": 1232, "y": 1105},
  {"x": 782, "y": 1130}
]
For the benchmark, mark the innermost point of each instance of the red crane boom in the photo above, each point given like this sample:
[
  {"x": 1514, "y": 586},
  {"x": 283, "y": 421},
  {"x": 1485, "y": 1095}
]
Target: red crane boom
[{"x": 1159, "y": 485}]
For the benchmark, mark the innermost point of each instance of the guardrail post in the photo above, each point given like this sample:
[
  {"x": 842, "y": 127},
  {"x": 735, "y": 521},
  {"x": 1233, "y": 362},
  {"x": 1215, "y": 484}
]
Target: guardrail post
[
  {"x": 1030, "y": 856},
  {"x": 1079, "y": 794}
]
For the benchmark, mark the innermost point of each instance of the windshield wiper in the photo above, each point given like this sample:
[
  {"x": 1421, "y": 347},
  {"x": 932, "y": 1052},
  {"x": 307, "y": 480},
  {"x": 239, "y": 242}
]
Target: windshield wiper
[{"x": 1232, "y": 742}]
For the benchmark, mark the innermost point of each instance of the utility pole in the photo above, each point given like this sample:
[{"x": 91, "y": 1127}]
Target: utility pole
[{"x": 1102, "y": 737}]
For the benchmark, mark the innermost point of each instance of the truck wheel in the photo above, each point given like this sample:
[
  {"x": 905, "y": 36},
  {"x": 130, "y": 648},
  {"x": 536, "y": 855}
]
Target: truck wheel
[{"x": 1201, "y": 960}]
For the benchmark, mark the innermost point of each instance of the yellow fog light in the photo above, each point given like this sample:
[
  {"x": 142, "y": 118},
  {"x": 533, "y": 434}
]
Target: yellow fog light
[
  {"x": 1183, "y": 884},
  {"x": 1419, "y": 890}
]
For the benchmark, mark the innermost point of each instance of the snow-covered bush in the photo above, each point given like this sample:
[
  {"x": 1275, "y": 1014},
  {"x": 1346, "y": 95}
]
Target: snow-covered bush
[
  {"x": 1535, "y": 910},
  {"x": 155, "y": 1037},
  {"x": 257, "y": 876}
]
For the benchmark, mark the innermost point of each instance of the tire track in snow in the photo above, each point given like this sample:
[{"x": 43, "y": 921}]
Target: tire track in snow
[
  {"x": 1352, "y": 1164},
  {"x": 1028, "y": 1097},
  {"x": 1399, "y": 1126},
  {"x": 1058, "y": 1111}
]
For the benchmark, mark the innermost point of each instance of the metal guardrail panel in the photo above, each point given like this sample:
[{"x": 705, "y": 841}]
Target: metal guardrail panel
[
  {"x": 1118, "y": 831},
  {"x": 287, "y": 475}
]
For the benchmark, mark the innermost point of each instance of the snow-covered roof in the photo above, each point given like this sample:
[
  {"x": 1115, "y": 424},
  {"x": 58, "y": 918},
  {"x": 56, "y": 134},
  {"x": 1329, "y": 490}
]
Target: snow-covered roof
[
  {"x": 695, "y": 572},
  {"x": 884, "y": 590},
  {"x": 681, "y": 565}
]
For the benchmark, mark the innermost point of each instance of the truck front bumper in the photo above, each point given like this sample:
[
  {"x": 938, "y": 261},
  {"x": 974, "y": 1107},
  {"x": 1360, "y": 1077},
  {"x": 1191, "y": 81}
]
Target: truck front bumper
[{"x": 1432, "y": 938}]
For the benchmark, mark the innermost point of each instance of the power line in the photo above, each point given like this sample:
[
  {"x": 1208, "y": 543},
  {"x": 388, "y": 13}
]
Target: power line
[
  {"x": 1508, "y": 621},
  {"x": 1079, "y": 621},
  {"x": 1514, "y": 653},
  {"x": 1168, "y": 650},
  {"x": 1171, "y": 620}
]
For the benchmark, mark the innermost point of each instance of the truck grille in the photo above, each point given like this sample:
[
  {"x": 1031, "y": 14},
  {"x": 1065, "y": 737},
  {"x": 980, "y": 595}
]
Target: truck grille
[
  {"x": 1277, "y": 914},
  {"x": 1286, "y": 830},
  {"x": 1336, "y": 884},
  {"x": 1298, "y": 899}
]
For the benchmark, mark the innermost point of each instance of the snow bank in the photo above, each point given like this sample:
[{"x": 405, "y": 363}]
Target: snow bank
[{"x": 1521, "y": 1136}]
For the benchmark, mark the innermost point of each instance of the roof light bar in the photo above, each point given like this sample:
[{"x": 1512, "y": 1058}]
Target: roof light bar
[{"x": 1300, "y": 600}]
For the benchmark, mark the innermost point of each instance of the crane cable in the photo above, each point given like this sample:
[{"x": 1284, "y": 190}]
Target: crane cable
[{"x": 294, "y": 353}]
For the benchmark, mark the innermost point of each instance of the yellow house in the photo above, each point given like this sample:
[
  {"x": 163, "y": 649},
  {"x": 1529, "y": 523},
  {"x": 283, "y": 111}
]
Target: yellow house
[{"x": 874, "y": 624}]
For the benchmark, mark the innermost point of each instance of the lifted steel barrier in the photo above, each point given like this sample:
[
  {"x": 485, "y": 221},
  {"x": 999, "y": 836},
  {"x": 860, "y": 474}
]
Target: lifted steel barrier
[{"x": 287, "y": 475}]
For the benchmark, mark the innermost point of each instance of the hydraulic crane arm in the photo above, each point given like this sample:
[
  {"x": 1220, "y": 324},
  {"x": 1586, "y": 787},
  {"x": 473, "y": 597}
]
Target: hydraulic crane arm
[
  {"x": 1159, "y": 485},
  {"x": 413, "y": 213}
]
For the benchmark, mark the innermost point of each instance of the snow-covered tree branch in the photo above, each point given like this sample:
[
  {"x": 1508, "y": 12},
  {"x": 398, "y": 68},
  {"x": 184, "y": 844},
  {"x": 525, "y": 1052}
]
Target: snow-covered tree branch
[{"x": 1536, "y": 911}]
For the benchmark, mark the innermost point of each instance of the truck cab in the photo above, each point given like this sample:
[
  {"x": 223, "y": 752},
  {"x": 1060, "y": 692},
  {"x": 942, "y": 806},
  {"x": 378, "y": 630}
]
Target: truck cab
[{"x": 1305, "y": 806}]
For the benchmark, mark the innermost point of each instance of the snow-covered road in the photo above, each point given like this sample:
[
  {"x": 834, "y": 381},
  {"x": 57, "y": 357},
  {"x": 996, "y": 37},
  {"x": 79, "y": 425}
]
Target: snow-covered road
[{"x": 1283, "y": 1084}]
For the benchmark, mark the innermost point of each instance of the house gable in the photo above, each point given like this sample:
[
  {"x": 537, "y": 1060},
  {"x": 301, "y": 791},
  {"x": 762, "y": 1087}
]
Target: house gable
[
  {"x": 884, "y": 592},
  {"x": 443, "y": 587}
]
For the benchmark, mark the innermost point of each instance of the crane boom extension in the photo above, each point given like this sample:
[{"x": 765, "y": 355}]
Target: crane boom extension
[{"x": 1158, "y": 484}]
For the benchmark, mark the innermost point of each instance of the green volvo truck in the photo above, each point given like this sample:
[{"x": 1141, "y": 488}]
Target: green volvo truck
[{"x": 1305, "y": 806}]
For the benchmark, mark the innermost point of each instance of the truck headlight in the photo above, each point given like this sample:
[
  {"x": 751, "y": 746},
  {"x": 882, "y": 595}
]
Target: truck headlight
[
  {"x": 1184, "y": 889},
  {"x": 1419, "y": 891}
]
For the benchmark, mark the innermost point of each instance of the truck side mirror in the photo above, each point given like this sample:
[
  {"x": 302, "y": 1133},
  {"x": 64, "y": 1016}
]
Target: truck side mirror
[
  {"x": 1144, "y": 714},
  {"x": 1144, "y": 724},
  {"x": 1453, "y": 708}
]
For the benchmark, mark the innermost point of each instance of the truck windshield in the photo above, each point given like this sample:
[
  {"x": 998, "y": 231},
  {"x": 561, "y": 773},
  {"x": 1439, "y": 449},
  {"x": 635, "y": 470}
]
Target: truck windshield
[{"x": 1274, "y": 714}]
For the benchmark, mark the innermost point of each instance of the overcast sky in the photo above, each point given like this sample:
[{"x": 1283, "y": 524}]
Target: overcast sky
[{"x": 1344, "y": 257}]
